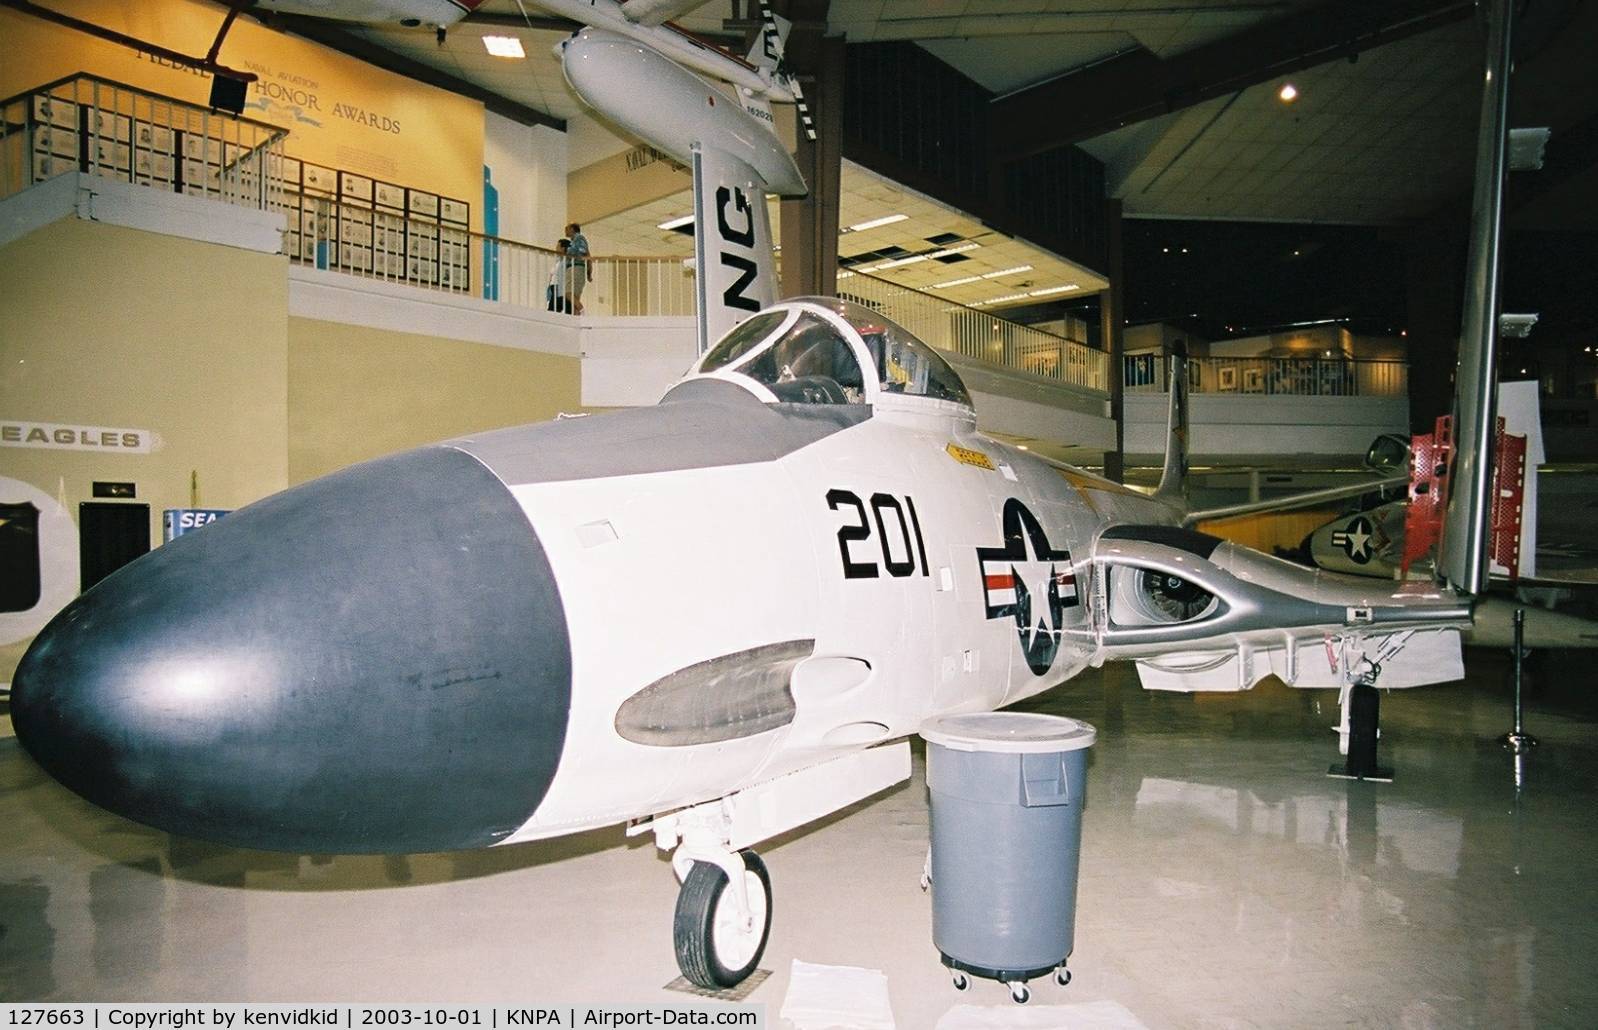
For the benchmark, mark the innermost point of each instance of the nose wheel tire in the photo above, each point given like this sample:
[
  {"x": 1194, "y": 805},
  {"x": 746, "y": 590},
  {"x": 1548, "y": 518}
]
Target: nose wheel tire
[{"x": 716, "y": 947}]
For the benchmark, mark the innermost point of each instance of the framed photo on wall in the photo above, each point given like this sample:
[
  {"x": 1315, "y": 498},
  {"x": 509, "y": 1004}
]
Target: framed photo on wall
[
  {"x": 1253, "y": 380},
  {"x": 1226, "y": 378}
]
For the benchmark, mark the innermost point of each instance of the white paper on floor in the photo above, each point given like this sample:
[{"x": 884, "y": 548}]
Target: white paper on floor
[
  {"x": 1089, "y": 1015},
  {"x": 845, "y": 997}
]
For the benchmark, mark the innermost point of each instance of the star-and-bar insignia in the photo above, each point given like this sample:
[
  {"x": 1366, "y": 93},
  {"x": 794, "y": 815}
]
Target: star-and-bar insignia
[{"x": 1031, "y": 582}]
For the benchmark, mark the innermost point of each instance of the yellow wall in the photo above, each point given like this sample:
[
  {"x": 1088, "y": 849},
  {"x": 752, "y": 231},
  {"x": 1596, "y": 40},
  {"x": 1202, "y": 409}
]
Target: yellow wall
[
  {"x": 340, "y": 112},
  {"x": 357, "y": 393},
  {"x": 1266, "y": 532},
  {"x": 107, "y": 326},
  {"x": 622, "y": 182}
]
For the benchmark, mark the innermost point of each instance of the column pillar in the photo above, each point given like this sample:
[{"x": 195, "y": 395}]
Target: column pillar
[{"x": 810, "y": 226}]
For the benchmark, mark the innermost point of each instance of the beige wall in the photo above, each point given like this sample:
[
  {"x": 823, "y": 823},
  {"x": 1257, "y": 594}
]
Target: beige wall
[
  {"x": 357, "y": 393},
  {"x": 340, "y": 111},
  {"x": 107, "y": 326}
]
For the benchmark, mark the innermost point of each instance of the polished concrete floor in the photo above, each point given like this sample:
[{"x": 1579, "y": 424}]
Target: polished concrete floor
[{"x": 1226, "y": 882}]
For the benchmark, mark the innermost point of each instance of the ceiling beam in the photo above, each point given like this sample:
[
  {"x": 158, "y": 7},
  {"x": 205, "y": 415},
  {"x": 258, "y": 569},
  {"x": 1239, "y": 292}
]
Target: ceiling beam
[
  {"x": 1136, "y": 85},
  {"x": 319, "y": 31}
]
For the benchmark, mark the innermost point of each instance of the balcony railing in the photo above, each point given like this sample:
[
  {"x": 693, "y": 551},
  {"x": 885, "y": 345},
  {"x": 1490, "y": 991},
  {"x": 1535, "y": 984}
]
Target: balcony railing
[
  {"x": 83, "y": 123},
  {"x": 981, "y": 335},
  {"x": 1285, "y": 377},
  {"x": 414, "y": 251}
]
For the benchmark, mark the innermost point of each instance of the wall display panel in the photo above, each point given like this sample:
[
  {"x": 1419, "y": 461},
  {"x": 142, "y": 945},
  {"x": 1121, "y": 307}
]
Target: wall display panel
[
  {"x": 386, "y": 194},
  {"x": 317, "y": 179}
]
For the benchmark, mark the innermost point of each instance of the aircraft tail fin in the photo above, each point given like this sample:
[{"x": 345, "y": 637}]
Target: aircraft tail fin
[
  {"x": 1173, "y": 481},
  {"x": 1462, "y": 554},
  {"x": 767, "y": 55},
  {"x": 735, "y": 266}
]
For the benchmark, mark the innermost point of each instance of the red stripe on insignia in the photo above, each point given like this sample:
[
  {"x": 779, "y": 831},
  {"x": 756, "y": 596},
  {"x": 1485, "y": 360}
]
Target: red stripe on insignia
[{"x": 999, "y": 582}]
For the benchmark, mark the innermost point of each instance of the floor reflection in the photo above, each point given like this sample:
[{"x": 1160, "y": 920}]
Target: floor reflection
[{"x": 1225, "y": 882}]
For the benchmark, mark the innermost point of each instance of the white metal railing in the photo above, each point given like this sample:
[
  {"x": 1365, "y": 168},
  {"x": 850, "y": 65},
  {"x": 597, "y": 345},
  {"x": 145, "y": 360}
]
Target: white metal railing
[
  {"x": 981, "y": 335},
  {"x": 84, "y": 123},
  {"x": 1288, "y": 377},
  {"x": 393, "y": 246}
]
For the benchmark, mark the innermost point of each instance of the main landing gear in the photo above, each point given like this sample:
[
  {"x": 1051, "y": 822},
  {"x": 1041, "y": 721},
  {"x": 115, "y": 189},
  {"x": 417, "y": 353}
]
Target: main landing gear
[
  {"x": 1360, "y": 730},
  {"x": 723, "y": 915}
]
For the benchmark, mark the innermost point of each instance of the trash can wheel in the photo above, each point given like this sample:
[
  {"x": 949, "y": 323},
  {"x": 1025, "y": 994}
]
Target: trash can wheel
[
  {"x": 1062, "y": 976},
  {"x": 1020, "y": 993}
]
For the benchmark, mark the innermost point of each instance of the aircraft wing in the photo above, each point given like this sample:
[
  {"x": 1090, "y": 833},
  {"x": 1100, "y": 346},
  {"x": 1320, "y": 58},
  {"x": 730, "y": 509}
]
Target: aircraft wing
[
  {"x": 657, "y": 12},
  {"x": 1307, "y": 499}
]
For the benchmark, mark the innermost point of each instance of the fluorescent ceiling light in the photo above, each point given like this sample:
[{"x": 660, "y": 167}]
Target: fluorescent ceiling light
[
  {"x": 957, "y": 282},
  {"x": 1008, "y": 271},
  {"x": 1001, "y": 300},
  {"x": 844, "y": 275},
  {"x": 961, "y": 249},
  {"x": 912, "y": 259},
  {"x": 504, "y": 46},
  {"x": 673, "y": 223},
  {"x": 1054, "y": 289},
  {"x": 875, "y": 222}
]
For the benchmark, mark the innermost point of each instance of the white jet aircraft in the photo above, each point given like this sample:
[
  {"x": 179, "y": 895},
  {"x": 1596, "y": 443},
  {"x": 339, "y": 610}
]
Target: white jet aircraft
[{"x": 713, "y": 620}]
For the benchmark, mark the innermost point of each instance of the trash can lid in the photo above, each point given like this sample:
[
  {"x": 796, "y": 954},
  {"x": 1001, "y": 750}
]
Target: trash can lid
[{"x": 1009, "y": 732}]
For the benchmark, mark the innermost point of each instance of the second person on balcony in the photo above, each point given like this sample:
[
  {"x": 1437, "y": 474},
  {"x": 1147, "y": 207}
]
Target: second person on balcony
[
  {"x": 578, "y": 259},
  {"x": 557, "y": 295}
]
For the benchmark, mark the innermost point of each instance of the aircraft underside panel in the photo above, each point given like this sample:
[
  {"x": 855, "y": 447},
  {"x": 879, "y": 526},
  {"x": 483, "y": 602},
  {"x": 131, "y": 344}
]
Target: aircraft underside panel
[{"x": 1407, "y": 659}]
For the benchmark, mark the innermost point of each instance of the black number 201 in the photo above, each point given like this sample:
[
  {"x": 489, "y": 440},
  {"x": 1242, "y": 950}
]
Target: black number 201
[{"x": 899, "y": 538}]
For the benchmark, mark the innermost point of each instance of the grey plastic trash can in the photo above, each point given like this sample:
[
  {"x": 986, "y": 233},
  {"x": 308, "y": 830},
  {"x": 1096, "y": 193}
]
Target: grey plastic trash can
[{"x": 1007, "y": 790}]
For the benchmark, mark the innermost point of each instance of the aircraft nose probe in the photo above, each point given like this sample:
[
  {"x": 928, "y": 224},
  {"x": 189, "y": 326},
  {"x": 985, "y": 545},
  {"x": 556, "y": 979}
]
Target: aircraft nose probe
[{"x": 376, "y": 661}]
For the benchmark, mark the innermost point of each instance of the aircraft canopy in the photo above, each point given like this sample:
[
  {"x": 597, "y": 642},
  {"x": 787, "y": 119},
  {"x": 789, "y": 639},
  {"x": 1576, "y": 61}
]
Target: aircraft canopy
[{"x": 822, "y": 350}]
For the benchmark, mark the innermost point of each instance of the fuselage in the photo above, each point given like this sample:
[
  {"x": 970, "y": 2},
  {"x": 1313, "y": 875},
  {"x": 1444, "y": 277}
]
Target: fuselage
[{"x": 861, "y": 545}]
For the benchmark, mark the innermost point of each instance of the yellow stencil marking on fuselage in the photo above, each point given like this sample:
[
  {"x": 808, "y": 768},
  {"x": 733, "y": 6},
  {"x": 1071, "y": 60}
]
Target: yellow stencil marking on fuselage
[{"x": 967, "y": 456}]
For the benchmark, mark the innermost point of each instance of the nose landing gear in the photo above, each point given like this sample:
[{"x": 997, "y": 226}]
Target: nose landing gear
[{"x": 723, "y": 916}]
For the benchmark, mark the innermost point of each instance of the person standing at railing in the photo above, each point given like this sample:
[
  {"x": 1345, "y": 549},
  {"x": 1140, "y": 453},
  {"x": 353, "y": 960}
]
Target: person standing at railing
[
  {"x": 580, "y": 273},
  {"x": 557, "y": 295}
]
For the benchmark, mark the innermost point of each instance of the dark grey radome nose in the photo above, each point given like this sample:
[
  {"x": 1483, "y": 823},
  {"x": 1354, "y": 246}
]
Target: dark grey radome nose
[{"x": 376, "y": 661}]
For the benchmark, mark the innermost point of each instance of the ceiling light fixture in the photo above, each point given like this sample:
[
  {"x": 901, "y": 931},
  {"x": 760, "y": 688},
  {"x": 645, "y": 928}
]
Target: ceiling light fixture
[
  {"x": 1007, "y": 271},
  {"x": 947, "y": 251},
  {"x": 504, "y": 46},
  {"x": 1288, "y": 93},
  {"x": 912, "y": 259},
  {"x": 675, "y": 223},
  {"x": 957, "y": 282},
  {"x": 1054, "y": 289},
  {"x": 1003, "y": 299},
  {"x": 876, "y": 222}
]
